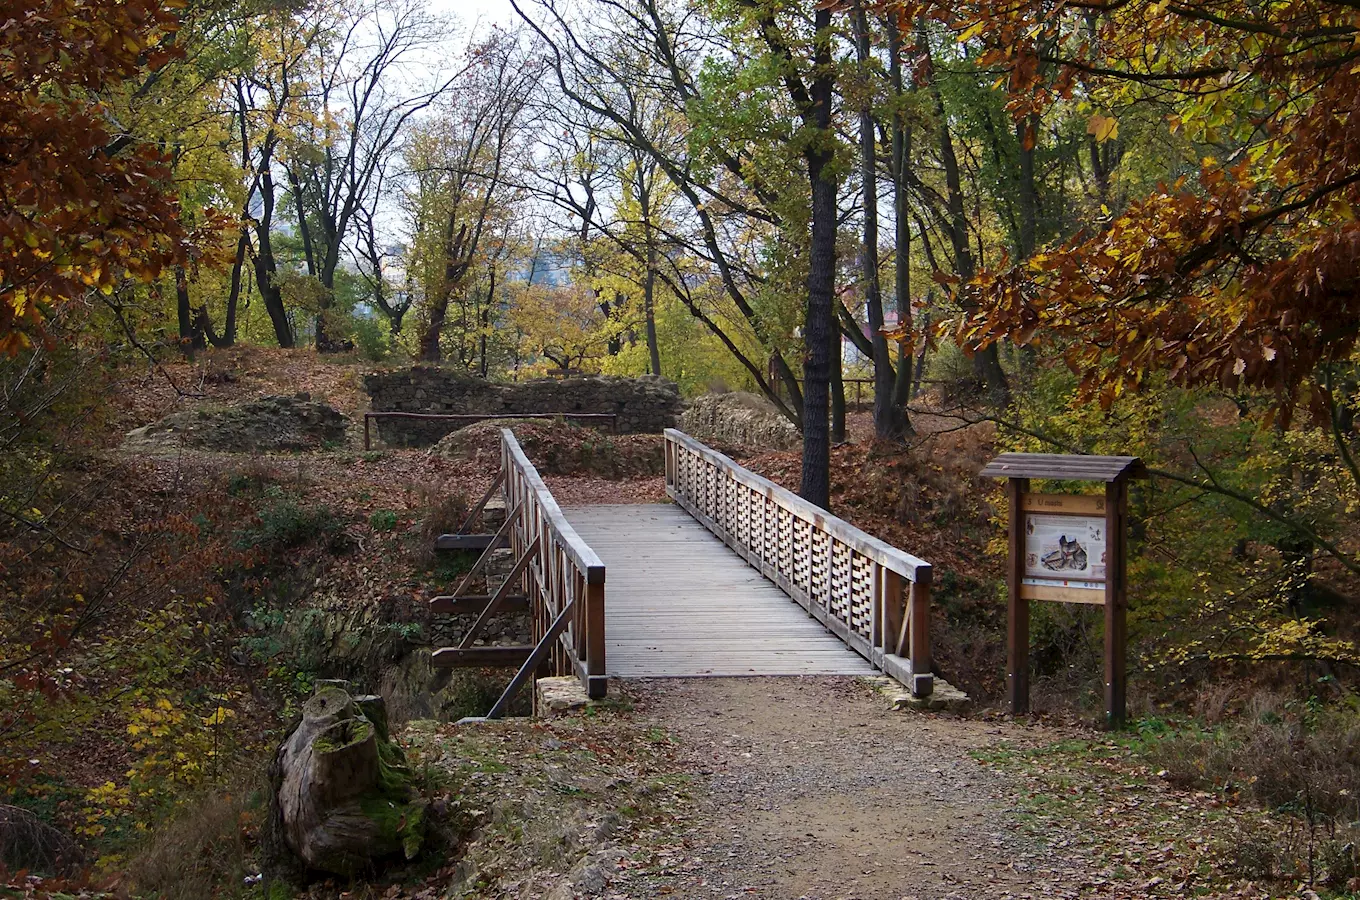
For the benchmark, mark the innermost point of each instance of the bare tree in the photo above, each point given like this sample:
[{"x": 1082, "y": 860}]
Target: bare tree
[
  {"x": 459, "y": 164},
  {"x": 266, "y": 98},
  {"x": 360, "y": 107},
  {"x": 608, "y": 69},
  {"x": 372, "y": 254}
]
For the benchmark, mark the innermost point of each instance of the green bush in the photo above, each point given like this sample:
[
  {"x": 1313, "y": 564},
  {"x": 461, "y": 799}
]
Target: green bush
[
  {"x": 372, "y": 338},
  {"x": 285, "y": 523}
]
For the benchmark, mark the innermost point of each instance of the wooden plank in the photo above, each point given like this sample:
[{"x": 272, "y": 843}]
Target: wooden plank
[
  {"x": 473, "y": 604},
  {"x": 922, "y": 684},
  {"x": 1063, "y": 504},
  {"x": 1065, "y": 467},
  {"x": 1060, "y": 594},
  {"x": 473, "y": 657},
  {"x": 1116, "y": 599},
  {"x": 681, "y": 604},
  {"x": 470, "y": 542}
]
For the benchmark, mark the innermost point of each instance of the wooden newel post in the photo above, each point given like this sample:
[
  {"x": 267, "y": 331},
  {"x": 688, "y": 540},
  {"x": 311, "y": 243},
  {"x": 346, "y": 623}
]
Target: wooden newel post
[
  {"x": 1017, "y": 606},
  {"x": 1116, "y": 603},
  {"x": 1068, "y": 548}
]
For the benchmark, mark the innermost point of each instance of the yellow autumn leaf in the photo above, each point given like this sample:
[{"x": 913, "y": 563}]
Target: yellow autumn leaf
[
  {"x": 971, "y": 32},
  {"x": 1103, "y": 128}
]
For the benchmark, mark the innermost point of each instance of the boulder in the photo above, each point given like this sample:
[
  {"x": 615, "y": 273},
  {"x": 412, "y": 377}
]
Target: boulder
[
  {"x": 740, "y": 419},
  {"x": 273, "y": 423},
  {"x": 343, "y": 793}
]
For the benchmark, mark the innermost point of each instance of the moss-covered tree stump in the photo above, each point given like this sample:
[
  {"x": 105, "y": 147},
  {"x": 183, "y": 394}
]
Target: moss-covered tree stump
[{"x": 344, "y": 794}]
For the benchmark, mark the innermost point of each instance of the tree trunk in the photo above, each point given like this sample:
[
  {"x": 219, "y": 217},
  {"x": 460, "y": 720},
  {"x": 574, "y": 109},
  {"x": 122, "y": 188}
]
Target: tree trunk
[
  {"x": 184, "y": 313},
  {"x": 820, "y": 322},
  {"x": 228, "y": 337},
  {"x": 429, "y": 338},
  {"x": 342, "y": 795},
  {"x": 890, "y": 422},
  {"x": 649, "y": 310},
  {"x": 266, "y": 269},
  {"x": 837, "y": 389},
  {"x": 1027, "y": 133},
  {"x": 903, "y": 387},
  {"x": 484, "y": 322},
  {"x": 987, "y": 361}
]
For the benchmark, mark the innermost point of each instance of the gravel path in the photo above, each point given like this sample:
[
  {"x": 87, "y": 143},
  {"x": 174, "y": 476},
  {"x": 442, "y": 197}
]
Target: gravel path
[{"x": 814, "y": 788}]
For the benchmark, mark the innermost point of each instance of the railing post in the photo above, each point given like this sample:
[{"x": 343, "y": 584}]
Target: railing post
[
  {"x": 922, "y": 679},
  {"x": 595, "y": 671},
  {"x": 669, "y": 447}
]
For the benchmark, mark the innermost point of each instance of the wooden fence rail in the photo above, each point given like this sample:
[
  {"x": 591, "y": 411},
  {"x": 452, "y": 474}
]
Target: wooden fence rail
[
  {"x": 873, "y": 596},
  {"x": 564, "y": 579}
]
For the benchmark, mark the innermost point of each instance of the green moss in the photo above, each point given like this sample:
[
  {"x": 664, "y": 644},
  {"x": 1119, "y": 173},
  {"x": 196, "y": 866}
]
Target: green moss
[{"x": 345, "y": 733}]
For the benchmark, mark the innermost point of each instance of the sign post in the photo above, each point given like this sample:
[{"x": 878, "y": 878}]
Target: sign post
[{"x": 1067, "y": 548}]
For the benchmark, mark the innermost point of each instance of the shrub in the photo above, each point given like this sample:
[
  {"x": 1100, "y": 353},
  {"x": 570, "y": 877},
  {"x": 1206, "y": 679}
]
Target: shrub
[
  {"x": 27, "y": 842},
  {"x": 442, "y": 512},
  {"x": 285, "y": 523},
  {"x": 1299, "y": 758},
  {"x": 372, "y": 338}
]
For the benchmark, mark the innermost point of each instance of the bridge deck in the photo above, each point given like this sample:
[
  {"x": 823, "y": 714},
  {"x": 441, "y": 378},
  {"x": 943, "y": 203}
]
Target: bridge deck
[{"x": 679, "y": 603}]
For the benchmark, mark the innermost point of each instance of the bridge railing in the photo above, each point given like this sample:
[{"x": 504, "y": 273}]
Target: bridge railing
[
  {"x": 873, "y": 596},
  {"x": 564, "y": 578}
]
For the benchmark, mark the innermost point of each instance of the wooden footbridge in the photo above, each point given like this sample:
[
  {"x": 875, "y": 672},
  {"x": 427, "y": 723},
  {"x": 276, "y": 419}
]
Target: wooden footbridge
[{"x": 737, "y": 577}]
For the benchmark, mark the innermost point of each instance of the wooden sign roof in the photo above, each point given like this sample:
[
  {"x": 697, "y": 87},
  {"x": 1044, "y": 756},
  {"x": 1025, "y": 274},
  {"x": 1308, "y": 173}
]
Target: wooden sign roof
[{"x": 1065, "y": 467}]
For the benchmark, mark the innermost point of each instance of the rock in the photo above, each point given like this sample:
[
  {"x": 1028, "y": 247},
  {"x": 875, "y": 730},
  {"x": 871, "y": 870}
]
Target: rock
[
  {"x": 945, "y": 697},
  {"x": 343, "y": 794},
  {"x": 559, "y": 448},
  {"x": 267, "y": 424},
  {"x": 560, "y": 694},
  {"x": 745, "y": 420}
]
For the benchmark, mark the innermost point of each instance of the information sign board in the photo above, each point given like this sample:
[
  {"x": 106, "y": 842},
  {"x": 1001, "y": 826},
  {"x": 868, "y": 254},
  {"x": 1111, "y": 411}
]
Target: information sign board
[{"x": 1064, "y": 549}]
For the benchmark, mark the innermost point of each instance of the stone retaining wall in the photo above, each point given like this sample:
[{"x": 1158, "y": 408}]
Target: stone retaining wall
[{"x": 642, "y": 405}]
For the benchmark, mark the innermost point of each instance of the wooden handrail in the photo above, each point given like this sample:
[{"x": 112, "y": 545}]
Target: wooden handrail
[
  {"x": 873, "y": 596},
  {"x": 903, "y": 563},
  {"x": 565, "y": 578},
  {"x": 517, "y": 462}
]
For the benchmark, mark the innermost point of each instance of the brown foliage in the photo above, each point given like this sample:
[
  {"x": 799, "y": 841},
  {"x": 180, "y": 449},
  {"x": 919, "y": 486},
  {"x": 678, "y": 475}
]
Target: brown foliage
[
  {"x": 1244, "y": 276},
  {"x": 81, "y": 206}
]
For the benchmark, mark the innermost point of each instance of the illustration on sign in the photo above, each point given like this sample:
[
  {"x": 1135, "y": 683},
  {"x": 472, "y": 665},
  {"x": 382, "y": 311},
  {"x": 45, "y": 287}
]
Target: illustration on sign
[{"x": 1064, "y": 549}]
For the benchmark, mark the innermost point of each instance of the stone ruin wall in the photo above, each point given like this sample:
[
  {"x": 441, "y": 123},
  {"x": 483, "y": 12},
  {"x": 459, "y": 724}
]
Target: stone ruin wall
[{"x": 643, "y": 405}]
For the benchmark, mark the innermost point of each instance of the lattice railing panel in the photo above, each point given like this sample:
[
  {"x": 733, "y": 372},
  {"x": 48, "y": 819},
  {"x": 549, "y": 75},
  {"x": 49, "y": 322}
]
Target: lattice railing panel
[{"x": 856, "y": 585}]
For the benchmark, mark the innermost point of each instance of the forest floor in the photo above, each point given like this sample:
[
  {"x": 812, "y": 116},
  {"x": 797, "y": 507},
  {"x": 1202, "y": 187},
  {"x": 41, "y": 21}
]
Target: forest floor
[{"x": 816, "y": 789}]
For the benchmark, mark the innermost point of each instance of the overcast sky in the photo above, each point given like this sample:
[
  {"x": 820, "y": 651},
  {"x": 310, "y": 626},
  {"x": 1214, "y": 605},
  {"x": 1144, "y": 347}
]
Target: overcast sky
[{"x": 468, "y": 11}]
